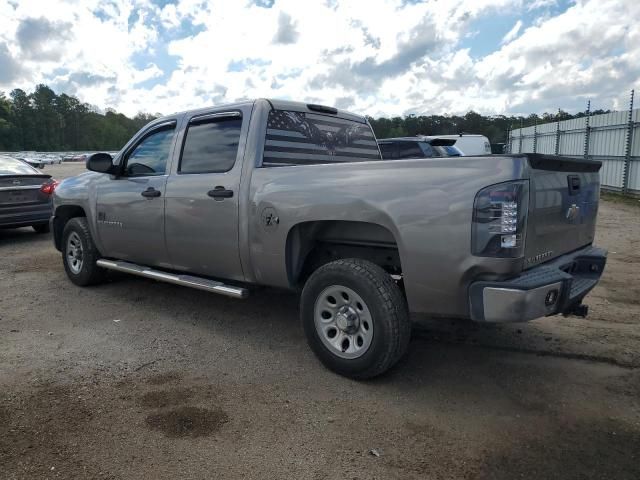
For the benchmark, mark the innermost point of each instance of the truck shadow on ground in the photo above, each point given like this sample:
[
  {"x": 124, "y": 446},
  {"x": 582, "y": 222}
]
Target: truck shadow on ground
[{"x": 271, "y": 316}]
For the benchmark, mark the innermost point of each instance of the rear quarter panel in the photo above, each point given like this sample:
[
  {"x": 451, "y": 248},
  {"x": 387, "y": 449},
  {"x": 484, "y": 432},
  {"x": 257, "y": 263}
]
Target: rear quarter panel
[{"x": 426, "y": 204}]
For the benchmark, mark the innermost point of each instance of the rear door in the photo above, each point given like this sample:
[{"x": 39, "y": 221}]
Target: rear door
[
  {"x": 202, "y": 196},
  {"x": 563, "y": 206}
]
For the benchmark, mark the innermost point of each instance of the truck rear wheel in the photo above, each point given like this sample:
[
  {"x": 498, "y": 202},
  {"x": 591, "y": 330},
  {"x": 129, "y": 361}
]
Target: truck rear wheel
[
  {"x": 79, "y": 253},
  {"x": 355, "y": 318}
]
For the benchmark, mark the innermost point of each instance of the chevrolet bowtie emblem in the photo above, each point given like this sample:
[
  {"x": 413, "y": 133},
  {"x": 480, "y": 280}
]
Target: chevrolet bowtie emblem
[{"x": 573, "y": 212}]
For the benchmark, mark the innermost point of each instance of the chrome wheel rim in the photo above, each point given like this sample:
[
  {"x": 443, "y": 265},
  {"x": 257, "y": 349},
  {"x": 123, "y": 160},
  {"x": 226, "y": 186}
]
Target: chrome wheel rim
[
  {"x": 74, "y": 253},
  {"x": 343, "y": 322}
]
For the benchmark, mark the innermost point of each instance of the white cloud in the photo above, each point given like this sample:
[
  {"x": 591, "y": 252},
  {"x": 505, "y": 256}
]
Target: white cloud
[
  {"x": 536, "y": 4},
  {"x": 513, "y": 33},
  {"x": 387, "y": 57}
]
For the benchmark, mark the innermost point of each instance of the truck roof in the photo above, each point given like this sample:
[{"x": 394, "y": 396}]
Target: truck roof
[{"x": 277, "y": 104}]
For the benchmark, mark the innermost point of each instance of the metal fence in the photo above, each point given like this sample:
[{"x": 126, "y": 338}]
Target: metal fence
[{"x": 612, "y": 138}]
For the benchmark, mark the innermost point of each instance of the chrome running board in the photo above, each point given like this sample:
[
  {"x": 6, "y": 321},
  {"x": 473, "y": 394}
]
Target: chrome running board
[{"x": 178, "y": 279}]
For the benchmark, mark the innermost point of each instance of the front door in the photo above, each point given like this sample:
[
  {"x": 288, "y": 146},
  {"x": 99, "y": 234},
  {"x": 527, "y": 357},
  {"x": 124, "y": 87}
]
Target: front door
[
  {"x": 202, "y": 197},
  {"x": 130, "y": 207}
]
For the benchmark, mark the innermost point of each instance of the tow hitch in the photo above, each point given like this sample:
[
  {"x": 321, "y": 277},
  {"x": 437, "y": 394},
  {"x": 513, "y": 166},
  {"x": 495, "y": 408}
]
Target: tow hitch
[{"x": 579, "y": 310}]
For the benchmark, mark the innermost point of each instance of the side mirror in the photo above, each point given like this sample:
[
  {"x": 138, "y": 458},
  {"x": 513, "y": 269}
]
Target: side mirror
[{"x": 100, "y": 162}]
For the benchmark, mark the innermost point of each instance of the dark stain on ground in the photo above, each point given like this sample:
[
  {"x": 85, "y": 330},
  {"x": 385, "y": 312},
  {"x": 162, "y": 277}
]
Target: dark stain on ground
[
  {"x": 188, "y": 422},
  {"x": 163, "y": 378},
  {"x": 600, "y": 449},
  {"x": 165, "y": 398},
  {"x": 628, "y": 386}
]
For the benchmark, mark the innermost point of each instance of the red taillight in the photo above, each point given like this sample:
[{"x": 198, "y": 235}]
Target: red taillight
[{"x": 49, "y": 186}]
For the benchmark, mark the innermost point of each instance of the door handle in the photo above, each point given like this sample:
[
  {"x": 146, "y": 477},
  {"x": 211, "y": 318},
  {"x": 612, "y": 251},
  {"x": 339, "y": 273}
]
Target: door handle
[
  {"x": 574, "y": 184},
  {"x": 220, "y": 192},
  {"x": 151, "y": 193}
]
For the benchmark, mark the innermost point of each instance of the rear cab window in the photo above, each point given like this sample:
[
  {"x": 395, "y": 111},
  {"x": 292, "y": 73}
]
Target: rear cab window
[
  {"x": 304, "y": 138},
  {"x": 210, "y": 145}
]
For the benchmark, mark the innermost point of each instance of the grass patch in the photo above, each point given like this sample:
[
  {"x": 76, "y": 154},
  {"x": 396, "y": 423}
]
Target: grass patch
[{"x": 619, "y": 198}]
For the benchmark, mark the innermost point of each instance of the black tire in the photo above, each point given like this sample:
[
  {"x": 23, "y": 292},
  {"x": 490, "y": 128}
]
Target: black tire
[
  {"x": 88, "y": 273},
  {"x": 41, "y": 228},
  {"x": 386, "y": 304}
]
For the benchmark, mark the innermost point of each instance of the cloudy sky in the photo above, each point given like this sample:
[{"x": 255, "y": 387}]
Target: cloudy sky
[{"x": 379, "y": 57}]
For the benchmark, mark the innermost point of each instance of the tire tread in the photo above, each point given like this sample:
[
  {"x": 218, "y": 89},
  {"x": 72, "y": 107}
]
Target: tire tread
[
  {"x": 393, "y": 304},
  {"x": 90, "y": 274}
]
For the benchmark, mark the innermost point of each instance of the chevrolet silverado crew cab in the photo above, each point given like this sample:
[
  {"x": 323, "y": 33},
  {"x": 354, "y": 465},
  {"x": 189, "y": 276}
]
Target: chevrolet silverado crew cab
[{"x": 297, "y": 196}]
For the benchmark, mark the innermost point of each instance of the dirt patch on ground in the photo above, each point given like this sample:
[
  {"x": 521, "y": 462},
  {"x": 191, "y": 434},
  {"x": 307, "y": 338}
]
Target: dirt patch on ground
[
  {"x": 41, "y": 262},
  {"x": 166, "y": 398},
  {"x": 188, "y": 422},
  {"x": 621, "y": 291},
  {"x": 570, "y": 451},
  {"x": 163, "y": 378},
  {"x": 41, "y": 434}
]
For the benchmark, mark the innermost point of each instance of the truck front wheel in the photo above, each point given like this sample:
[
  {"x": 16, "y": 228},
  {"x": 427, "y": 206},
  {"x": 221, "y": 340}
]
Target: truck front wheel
[
  {"x": 355, "y": 318},
  {"x": 79, "y": 253}
]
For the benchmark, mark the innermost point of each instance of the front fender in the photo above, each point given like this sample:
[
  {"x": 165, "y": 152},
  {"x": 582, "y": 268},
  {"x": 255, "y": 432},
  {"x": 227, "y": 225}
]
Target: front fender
[{"x": 79, "y": 192}]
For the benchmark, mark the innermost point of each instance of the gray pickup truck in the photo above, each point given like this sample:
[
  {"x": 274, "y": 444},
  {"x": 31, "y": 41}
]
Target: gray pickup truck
[{"x": 297, "y": 196}]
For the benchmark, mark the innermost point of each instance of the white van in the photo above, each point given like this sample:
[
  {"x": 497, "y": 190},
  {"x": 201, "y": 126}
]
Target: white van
[{"x": 468, "y": 144}]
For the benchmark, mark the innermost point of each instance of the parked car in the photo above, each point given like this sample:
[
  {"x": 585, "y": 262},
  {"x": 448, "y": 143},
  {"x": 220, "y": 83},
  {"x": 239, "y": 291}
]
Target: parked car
[
  {"x": 412, "y": 147},
  {"x": 468, "y": 144},
  {"x": 75, "y": 157},
  {"x": 51, "y": 159},
  {"x": 297, "y": 196},
  {"x": 31, "y": 159},
  {"x": 25, "y": 195}
]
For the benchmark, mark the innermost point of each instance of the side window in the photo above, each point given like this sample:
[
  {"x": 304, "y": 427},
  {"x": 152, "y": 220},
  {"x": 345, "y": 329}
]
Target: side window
[
  {"x": 150, "y": 156},
  {"x": 388, "y": 150},
  {"x": 409, "y": 150},
  {"x": 211, "y": 146},
  {"x": 305, "y": 138}
]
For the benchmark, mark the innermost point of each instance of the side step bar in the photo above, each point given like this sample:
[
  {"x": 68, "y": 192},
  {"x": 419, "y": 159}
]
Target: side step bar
[{"x": 178, "y": 279}]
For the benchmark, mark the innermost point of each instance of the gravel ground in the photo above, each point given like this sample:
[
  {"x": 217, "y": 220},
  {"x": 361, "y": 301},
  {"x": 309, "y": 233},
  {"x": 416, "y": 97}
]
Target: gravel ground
[{"x": 136, "y": 379}]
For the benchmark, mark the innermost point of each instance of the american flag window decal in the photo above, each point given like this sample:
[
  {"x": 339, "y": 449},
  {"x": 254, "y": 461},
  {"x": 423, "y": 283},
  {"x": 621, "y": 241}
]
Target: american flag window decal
[{"x": 300, "y": 138}]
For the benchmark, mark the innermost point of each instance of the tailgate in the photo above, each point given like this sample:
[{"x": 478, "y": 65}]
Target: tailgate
[{"x": 563, "y": 205}]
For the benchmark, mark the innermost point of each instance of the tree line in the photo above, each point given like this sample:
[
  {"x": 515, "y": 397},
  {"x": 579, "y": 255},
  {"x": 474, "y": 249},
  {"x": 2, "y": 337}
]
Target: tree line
[
  {"x": 46, "y": 121},
  {"x": 495, "y": 127}
]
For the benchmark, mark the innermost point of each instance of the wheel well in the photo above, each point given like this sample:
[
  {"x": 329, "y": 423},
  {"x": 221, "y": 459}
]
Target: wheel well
[
  {"x": 312, "y": 244},
  {"x": 62, "y": 216}
]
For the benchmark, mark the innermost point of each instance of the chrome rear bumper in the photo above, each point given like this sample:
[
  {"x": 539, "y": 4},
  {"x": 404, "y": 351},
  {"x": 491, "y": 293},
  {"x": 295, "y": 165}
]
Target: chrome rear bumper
[{"x": 558, "y": 286}]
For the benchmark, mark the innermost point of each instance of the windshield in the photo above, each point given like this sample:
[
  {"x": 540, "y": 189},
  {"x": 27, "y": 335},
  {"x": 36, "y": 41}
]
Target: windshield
[
  {"x": 447, "y": 151},
  {"x": 12, "y": 166},
  {"x": 430, "y": 150}
]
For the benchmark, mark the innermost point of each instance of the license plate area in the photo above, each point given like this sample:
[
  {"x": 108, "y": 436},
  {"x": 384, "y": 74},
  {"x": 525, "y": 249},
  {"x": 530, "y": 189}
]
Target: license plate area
[{"x": 19, "y": 197}]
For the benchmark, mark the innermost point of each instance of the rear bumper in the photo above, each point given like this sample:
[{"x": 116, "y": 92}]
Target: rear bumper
[
  {"x": 25, "y": 215},
  {"x": 552, "y": 288}
]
